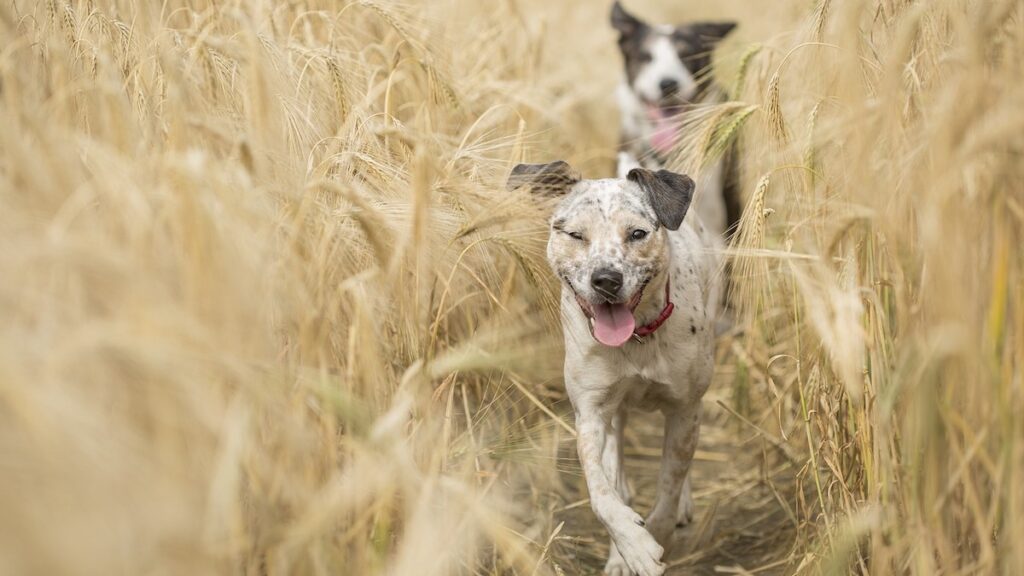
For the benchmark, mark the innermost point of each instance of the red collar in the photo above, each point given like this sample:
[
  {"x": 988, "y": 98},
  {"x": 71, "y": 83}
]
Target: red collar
[{"x": 648, "y": 329}]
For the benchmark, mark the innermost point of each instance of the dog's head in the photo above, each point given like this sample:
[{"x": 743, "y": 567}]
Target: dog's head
[
  {"x": 666, "y": 66},
  {"x": 608, "y": 237}
]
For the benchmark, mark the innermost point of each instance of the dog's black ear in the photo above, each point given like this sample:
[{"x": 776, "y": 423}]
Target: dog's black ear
[
  {"x": 670, "y": 194},
  {"x": 713, "y": 32},
  {"x": 552, "y": 179},
  {"x": 623, "y": 21}
]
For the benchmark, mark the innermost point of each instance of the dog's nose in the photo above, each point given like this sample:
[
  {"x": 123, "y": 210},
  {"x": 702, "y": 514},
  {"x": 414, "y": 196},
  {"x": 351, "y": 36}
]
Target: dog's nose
[
  {"x": 606, "y": 282},
  {"x": 669, "y": 87}
]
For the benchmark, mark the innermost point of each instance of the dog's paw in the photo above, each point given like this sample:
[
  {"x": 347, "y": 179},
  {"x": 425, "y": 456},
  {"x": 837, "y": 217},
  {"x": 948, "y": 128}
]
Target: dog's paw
[{"x": 640, "y": 551}]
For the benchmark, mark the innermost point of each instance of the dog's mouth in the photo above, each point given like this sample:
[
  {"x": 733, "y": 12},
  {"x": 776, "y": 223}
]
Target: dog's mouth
[
  {"x": 611, "y": 323},
  {"x": 664, "y": 116}
]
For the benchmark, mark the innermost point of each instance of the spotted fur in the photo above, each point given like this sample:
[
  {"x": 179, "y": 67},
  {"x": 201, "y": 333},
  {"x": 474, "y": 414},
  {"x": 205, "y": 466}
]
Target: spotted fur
[
  {"x": 605, "y": 213},
  {"x": 669, "y": 371}
]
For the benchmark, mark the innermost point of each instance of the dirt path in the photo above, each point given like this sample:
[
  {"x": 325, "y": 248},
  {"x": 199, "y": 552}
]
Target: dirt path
[{"x": 743, "y": 522}]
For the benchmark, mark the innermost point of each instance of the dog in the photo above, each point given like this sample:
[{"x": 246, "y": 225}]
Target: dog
[
  {"x": 667, "y": 69},
  {"x": 640, "y": 293}
]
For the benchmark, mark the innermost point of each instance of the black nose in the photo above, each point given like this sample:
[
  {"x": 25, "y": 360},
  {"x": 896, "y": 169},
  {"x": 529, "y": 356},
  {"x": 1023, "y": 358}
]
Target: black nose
[
  {"x": 606, "y": 282},
  {"x": 669, "y": 87}
]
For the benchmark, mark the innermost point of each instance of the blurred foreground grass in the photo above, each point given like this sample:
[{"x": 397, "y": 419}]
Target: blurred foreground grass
[{"x": 268, "y": 309}]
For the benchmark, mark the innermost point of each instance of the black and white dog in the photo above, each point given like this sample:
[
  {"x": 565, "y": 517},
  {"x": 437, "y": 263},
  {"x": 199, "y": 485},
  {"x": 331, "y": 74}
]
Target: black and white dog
[{"x": 667, "y": 69}]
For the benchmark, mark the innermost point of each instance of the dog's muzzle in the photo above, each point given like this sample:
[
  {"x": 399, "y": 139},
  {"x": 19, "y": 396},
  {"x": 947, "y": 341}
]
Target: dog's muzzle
[{"x": 611, "y": 321}]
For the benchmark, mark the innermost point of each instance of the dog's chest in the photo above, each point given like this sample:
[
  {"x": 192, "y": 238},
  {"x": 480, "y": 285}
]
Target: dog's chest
[
  {"x": 654, "y": 374},
  {"x": 650, "y": 391}
]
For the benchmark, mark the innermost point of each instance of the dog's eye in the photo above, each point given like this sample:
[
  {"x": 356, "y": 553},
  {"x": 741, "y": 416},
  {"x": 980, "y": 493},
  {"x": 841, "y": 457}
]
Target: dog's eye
[
  {"x": 638, "y": 234},
  {"x": 576, "y": 235},
  {"x": 645, "y": 57}
]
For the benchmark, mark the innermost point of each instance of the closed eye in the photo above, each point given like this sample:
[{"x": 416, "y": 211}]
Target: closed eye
[
  {"x": 575, "y": 235},
  {"x": 645, "y": 57}
]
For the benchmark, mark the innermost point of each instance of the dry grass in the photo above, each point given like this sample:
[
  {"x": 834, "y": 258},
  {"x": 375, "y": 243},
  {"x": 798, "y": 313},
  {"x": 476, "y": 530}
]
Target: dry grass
[{"x": 268, "y": 309}]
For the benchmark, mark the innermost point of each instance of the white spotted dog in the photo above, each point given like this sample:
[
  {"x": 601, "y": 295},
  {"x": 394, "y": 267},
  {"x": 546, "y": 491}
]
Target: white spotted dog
[
  {"x": 668, "y": 68},
  {"x": 640, "y": 293}
]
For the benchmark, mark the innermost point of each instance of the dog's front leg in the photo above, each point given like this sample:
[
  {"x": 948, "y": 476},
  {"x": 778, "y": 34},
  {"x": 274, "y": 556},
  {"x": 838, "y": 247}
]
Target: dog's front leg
[
  {"x": 639, "y": 550},
  {"x": 612, "y": 456},
  {"x": 682, "y": 427},
  {"x": 613, "y": 470}
]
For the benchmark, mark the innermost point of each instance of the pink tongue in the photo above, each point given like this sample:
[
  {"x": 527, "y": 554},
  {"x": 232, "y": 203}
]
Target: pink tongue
[
  {"x": 666, "y": 130},
  {"x": 613, "y": 324}
]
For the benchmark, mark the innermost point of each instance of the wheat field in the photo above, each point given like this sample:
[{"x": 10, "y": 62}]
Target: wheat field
[{"x": 267, "y": 308}]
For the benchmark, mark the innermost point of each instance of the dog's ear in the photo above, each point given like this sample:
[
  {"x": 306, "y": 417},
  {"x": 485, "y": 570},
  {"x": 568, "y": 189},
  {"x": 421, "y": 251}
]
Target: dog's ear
[
  {"x": 623, "y": 21},
  {"x": 552, "y": 179},
  {"x": 712, "y": 32},
  {"x": 669, "y": 193}
]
